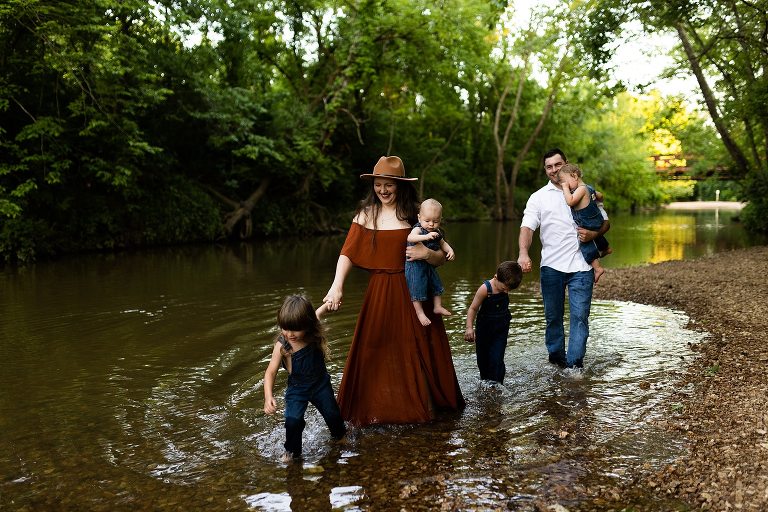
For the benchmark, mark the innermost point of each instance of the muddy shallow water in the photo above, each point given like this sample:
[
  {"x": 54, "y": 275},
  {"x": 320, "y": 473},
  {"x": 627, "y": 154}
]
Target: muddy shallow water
[
  {"x": 162, "y": 435},
  {"x": 135, "y": 382}
]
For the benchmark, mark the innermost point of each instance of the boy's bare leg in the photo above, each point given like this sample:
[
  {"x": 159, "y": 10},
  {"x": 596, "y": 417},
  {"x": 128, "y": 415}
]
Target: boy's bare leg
[
  {"x": 438, "y": 307},
  {"x": 420, "y": 313},
  {"x": 599, "y": 270},
  {"x": 606, "y": 252}
]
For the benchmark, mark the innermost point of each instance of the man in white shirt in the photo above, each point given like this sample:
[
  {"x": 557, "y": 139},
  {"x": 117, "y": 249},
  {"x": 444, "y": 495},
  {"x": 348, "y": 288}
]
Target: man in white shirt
[{"x": 562, "y": 264}]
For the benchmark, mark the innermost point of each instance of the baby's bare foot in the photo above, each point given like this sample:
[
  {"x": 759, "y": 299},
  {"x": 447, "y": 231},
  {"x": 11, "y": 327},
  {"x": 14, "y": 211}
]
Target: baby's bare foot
[
  {"x": 423, "y": 319},
  {"x": 442, "y": 311},
  {"x": 599, "y": 273}
]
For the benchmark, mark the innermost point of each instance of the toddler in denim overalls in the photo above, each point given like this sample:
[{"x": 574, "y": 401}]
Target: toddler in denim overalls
[
  {"x": 583, "y": 199},
  {"x": 301, "y": 349},
  {"x": 491, "y": 308}
]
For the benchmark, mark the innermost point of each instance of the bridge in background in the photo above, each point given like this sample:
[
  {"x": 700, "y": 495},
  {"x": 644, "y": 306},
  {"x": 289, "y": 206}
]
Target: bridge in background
[{"x": 675, "y": 167}]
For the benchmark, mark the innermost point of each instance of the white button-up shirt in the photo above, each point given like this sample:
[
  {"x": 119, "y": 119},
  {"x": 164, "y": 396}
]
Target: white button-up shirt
[{"x": 547, "y": 209}]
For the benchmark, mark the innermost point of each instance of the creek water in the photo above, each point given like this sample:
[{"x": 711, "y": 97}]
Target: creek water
[{"x": 133, "y": 381}]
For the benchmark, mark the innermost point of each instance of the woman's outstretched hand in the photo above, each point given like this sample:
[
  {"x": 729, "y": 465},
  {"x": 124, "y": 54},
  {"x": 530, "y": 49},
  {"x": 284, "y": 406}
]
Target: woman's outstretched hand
[{"x": 333, "y": 299}]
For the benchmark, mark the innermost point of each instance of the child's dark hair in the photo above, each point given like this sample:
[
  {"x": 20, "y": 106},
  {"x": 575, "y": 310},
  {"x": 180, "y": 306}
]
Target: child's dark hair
[
  {"x": 510, "y": 273},
  {"x": 298, "y": 314},
  {"x": 552, "y": 152}
]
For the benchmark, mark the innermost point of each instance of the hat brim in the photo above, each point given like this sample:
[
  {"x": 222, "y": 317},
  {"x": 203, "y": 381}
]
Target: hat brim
[{"x": 372, "y": 176}]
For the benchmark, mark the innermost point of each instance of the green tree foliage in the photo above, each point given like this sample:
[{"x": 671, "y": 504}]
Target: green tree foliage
[
  {"x": 79, "y": 90},
  {"x": 606, "y": 139},
  {"x": 132, "y": 123},
  {"x": 722, "y": 43},
  {"x": 687, "y": 134}
]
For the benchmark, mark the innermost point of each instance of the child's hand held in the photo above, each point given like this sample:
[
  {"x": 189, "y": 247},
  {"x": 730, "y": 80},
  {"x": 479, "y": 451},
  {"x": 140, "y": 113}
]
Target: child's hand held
[{"x": 333, "y": 299}]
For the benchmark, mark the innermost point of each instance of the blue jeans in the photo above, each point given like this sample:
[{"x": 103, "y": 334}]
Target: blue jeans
[
  {"x": 553, "y": 285},
  {"x": 320, "y": 394},
  {"x": 308, "y": 383},
  {"x": 423, "y": 280}
]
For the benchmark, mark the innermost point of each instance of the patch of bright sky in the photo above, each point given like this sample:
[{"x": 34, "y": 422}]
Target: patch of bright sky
[
  {"x": 192, "y": 34},
  {"x": 639, "y": 60}
]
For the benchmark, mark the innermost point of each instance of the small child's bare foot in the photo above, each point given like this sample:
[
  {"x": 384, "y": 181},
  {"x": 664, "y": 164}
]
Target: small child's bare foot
[
  {"x": 287, "y": 457},
  {"x": 606, "y": 252},
  {"x": 598, "y": 273},
  {"x": 341, "y": 441},
  {"x": 442, "y": 311},
  {"x": 423, "y": 319}
]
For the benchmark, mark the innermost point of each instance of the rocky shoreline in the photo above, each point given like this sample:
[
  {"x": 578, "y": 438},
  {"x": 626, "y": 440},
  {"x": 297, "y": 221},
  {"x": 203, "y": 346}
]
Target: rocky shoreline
[{"x": 725, "y": 419}]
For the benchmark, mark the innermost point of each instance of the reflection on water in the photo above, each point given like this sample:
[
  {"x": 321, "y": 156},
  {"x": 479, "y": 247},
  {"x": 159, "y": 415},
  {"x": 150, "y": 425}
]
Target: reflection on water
[
  {"x": 674, "y": 235},
  {"x": 671, "y": 234},
  {"x": 134, "y": 381}
]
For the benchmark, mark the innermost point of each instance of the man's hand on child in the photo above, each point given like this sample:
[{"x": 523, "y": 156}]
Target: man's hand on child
[
  {"x": 525, "y": 263},
  {"x": 450, "y": 255},
  {"x": 586, "y": 235}
]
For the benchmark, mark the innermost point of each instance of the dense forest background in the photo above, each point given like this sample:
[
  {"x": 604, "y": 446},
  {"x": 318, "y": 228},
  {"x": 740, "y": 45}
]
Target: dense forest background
[{"x": 131, "y": 123}]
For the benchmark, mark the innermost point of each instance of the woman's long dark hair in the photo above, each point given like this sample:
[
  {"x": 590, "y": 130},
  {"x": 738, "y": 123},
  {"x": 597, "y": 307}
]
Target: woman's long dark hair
[
  {"x": 297, "y": 314},
  {"x": 406, "y": 204}
]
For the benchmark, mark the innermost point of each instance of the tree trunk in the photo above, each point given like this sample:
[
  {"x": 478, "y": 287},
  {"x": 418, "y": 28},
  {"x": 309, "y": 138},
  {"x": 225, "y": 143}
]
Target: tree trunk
[
  {"x": 740, "y": 160},
  {"x": 501, "y": 142},
  {"x": 243, "y": 211},
  {"x": 434, "y": 160},
  {"x": 554, "y": 87},
  {"x": 499, "y": 152}
]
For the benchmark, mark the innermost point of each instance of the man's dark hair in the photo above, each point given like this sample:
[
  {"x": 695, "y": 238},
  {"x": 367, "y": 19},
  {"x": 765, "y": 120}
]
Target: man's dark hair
[
  {"x": 552, "y": 152},
  {"x": 509, "y": 273}
]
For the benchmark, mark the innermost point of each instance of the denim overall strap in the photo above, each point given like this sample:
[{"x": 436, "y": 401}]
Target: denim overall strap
[{"x": 287, "y": 347}]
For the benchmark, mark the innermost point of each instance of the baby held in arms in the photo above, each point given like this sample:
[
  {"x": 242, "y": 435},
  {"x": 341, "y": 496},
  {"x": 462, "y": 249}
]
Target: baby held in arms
[
  {"x": 423, "y": 281},
  {"x": 583, "y": 200}
]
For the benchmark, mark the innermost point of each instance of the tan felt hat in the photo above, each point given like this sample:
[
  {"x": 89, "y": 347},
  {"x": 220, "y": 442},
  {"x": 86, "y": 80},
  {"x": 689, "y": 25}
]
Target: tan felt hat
[{"x": 388, "y": 167}]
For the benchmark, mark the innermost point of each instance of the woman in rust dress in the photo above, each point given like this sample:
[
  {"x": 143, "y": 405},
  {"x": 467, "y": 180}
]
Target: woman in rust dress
[{"x": 397, "y": 370}]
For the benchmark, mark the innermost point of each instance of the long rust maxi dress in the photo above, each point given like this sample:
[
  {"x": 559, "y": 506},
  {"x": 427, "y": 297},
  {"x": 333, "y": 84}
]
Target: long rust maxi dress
[{"x": 397, "y": 370}]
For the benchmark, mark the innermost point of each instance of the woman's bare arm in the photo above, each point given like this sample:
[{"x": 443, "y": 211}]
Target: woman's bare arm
[
  {"x": 335, "y": 293},
  {"x": 421, "y": 252}
]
